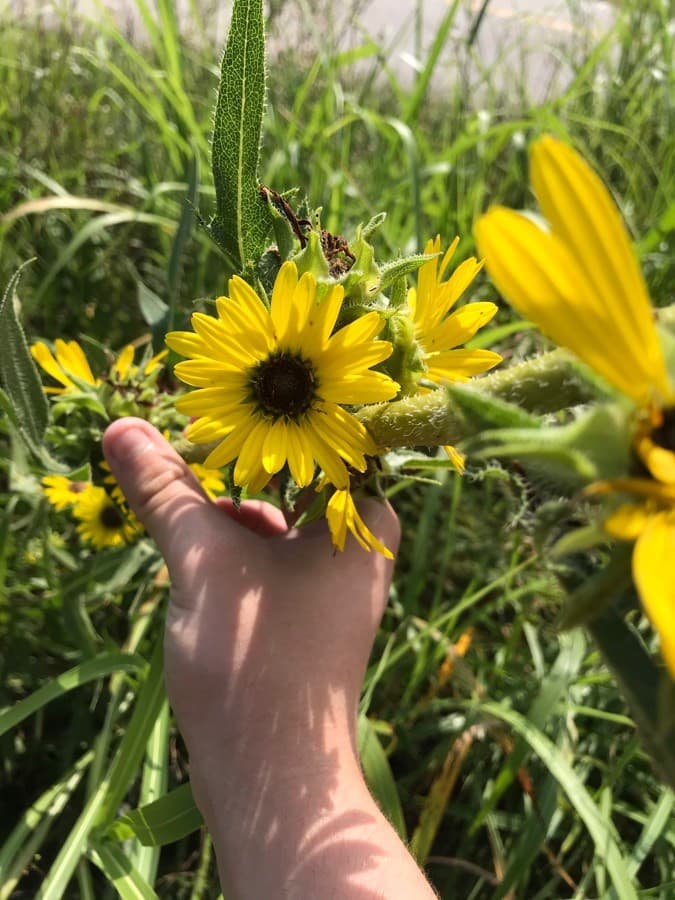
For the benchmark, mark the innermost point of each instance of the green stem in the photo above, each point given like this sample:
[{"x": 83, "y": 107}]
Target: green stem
[{"x": 543, "y": 384}]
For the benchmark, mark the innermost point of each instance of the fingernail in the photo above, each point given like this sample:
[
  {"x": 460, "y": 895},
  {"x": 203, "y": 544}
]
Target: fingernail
[{"x": 129, "y": 444}]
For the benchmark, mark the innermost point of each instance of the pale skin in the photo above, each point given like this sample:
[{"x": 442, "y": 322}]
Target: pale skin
[{"x": 267, "y": 639}]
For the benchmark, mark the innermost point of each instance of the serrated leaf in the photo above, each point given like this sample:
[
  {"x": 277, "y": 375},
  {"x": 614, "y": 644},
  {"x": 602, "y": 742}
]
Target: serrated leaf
[
  {"x": 18, "y": 372},
  {"x": 242, "y": 221},
  {"x": 171, "y": 818}
]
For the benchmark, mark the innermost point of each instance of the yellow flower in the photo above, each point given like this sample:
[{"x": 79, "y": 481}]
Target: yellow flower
[
  {"x": 342, "y": 515},
  {"x": 272, "y": 383},
  {"x": 101, "y": 522},
  {"x": 651, "y": 524},
  {"x": 580, "y": 283},
  {"x": 69, "y": 360},
  {"x": 123, "y": 367},
  {"x": 61, "y": 492},
  {"x": 439, "y": 333},
  {"x": 210, "y": 480}
]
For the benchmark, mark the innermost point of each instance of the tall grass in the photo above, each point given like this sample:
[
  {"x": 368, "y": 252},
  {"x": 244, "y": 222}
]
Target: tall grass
[{"x": 501, "y": 733}]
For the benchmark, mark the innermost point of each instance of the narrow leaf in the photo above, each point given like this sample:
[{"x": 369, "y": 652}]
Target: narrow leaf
[
  {"x": 242, "y": 221},
  {"x": 171, "y": 818},
  {"x": 18, "y": 372},
  {"x": 104, "y": 664},
  {"x": 118, "y": 869},
  {"x": 379, "y": 776}
]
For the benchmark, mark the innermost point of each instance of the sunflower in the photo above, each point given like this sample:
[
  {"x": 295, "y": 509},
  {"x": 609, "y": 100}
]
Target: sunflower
[
  {"x": 102, "y": 522},
  {"x": 61, "y": 492},
  {"x": 68, "y": 360},
  {"x": 123, "y": 367},
  {"x": 580, "y": 282},
  {"x": 210, "y": 480},
  {"x": 272, "y": 384},
  {"x": 439, "y": 332},
  {"x": 342, "y": 515}
]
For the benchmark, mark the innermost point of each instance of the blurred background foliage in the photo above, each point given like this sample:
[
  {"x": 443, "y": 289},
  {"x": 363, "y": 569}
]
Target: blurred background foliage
[{"x": 99, "y": 129}]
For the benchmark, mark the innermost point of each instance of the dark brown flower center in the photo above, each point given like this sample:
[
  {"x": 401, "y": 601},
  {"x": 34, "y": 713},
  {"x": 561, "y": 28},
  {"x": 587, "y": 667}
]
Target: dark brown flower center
[
  {"x": 283, "y": 385},
  {"x": 664, "y": 435},
  {"x": 111, "y": 517}
]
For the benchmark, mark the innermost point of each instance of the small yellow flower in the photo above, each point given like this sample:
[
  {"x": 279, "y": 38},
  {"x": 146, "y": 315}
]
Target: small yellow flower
[
  {"x": 440, "y": 333},
  {"x": 342, "y": 515},
  {"x": 102, "y": 522},
  {"x": 272, "y": 384},
  {"x": 68, "y": 360},
  {"x": 61, "y": 492},
  {"x": 124, "y": 369},
  {"x": 580, "y": 283}
]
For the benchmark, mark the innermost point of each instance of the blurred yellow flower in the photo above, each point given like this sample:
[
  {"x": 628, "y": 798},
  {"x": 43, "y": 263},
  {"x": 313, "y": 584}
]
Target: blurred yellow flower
[
  {"x": 210, "y": 479},
  {"x": 580, "y": 282},
  {"x": 68, "y": 360},
  {"x": 272, "y": 384},
  {"x": 342, "y": 516},
  {"x": 61, "y": 492},
  {"x": 102, "y": 522}
]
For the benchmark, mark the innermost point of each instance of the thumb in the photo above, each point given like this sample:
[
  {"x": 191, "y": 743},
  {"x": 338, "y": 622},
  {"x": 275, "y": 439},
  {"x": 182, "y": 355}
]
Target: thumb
[{"x": 159, "y": 487}]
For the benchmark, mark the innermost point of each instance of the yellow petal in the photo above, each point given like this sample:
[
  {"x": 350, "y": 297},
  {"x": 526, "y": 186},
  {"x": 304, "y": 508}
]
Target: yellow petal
[
  {"x": 628, "y": 521},
  {"x": 460, "y": 365},
  {"x": 282, "y": 299},
  {"x": 123, "y": 362},
  {"x": 459, "y": 327},
  {"x": 541, "y": 278},
  {"x": 457, "y": 459},
  {"x": 582, "y": 213},
  {"x": 654, "y": 575},
  {"x": 342, "y": 514},
  {"x": 300, "y": 458},
  {"x": 659, "y": 460},
  {"x": 43, "y": 357},
  {"x": 275, "y": 447},
  {"x": 70, "y": 357}
]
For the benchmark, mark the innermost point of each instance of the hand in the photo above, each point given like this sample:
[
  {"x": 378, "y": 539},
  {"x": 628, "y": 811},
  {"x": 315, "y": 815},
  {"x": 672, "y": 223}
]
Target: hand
[{"x": 267, "y": 640}]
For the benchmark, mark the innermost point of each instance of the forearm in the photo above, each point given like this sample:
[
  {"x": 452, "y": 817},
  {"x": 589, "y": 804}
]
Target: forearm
[{"x": 320, "y": 834}]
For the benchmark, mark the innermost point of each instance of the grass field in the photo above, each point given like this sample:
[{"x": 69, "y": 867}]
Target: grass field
[{"x": 498, "y": 729}]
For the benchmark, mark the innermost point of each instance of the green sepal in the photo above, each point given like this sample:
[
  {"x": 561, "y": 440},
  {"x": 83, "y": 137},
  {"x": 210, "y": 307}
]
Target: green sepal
[
  {"x": 312, "y": 258},
  {"x": 362, "y": 281},
  {"x": 595, "y": 446},
  {"x": 18, "y": 373},
  {"x": 398, "y": 268},
  {"x": 242, "y": 222},
  {"x": 598, "y": 591},
  {"x": 398, "y": 293}
]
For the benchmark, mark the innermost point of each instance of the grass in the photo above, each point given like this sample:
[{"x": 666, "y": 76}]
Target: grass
[{"x": 498, "y": 729}]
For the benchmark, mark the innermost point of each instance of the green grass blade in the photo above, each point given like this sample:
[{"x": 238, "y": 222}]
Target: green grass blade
[
  {"x": 424, "y": 80},
  {"x": 378, "y": 775},
  {"x": 29, "y": 833},
  {"x": 100, "y": 667},
  {"x": 171, "y": 818},
  {"x": 154, "y": 781},
  {"x": 120, "y": 872},
  {"x": 242, "y": 221},
  {"x": 600, "y": 829}
]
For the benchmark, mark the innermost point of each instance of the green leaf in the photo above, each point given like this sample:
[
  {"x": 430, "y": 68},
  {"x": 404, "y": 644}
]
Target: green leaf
[
  {"x": 120, "y": 872},
  {"x": 171, "y": 818},
  {"x": 100, "y": 667},
  {"x": 484, "y": 411},
  {"x": 18, "y": 372},
  {"x": 646, "y": 688},
  {"x": 379, "y": 776},
  {"x": 242, "y": 221}
]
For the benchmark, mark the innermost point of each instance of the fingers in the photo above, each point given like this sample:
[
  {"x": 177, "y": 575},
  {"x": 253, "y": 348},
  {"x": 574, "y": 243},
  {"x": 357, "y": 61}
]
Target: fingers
[
  {"x": 159, "y": 487},
  {"x": 256, "y": 515}
]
